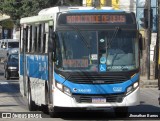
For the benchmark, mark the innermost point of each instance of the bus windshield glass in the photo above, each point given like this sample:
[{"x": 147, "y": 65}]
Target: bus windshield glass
[{"x": 115, "y": 50}]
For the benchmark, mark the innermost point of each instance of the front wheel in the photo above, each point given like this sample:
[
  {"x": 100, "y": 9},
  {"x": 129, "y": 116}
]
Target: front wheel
[
  {"x": 121, "y": 111},
  {"x": 52, "y": 112},
  {"x": 31, "y": 104},
  {"x": 48, "y": 109}
]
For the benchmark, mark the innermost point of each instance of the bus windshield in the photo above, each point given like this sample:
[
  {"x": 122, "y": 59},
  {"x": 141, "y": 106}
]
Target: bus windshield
[{"x": 114, "y": 50}]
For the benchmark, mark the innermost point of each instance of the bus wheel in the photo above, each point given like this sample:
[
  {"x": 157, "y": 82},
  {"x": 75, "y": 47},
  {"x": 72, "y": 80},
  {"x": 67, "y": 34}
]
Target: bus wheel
[
  {"x": 52, "y": 112},
  {"x": 31, "y": 104},
  {"x": 45, "y": 108},
  {"x": 121, "y": 111}
]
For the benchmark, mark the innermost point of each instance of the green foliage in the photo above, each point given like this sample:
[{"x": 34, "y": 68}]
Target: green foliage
[
  {"x": 17, "y": 9},
  {"x": 7, "y": 24}
]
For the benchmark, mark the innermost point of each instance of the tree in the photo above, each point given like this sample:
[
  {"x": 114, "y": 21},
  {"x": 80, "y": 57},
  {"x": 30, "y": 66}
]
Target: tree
[
  {"x": 7, "y": 7},
  {"x": 17, "y": 9}
]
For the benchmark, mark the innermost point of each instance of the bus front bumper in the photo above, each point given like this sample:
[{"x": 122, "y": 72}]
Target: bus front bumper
[{"x": 63, "y": 100}]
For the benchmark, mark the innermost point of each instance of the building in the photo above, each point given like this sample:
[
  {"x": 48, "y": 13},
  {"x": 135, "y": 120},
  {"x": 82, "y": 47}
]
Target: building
[{"x": 128, "y": 5}]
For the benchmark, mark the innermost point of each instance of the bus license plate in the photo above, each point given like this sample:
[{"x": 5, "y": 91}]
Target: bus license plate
[{"x": 98, "y": 100}]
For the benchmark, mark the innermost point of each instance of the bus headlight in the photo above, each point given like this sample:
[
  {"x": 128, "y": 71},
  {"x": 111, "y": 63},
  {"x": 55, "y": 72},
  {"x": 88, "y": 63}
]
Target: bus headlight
[
  {"x": 135, "y": 85},
  {"x": 132, "y": 88},
  {"x": 67, "y": 91},
  {"x": 63, "y": 88},
  {"x": 59, "y": 86},
  {"x": 12, "y": 67},
  {"x": 129, "y": 89}
]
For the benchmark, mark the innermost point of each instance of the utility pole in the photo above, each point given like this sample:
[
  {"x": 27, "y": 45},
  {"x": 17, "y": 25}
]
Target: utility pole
[
  {"x": 62, "y": 2},
  {"x": 158, "y": 39},
  {"x": 149, "y": 37},
  {"x": 158, "y": 48},
  {"x": 157, "y": 43}
]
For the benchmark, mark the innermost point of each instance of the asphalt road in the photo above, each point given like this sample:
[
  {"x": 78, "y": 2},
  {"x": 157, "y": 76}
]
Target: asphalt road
[{"x": 12, "y": 101}]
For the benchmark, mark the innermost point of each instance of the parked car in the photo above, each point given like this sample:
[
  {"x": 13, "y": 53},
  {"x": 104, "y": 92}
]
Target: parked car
[
  {"x": 11, "y": 66},
  {"x": 6, "y": 46}
]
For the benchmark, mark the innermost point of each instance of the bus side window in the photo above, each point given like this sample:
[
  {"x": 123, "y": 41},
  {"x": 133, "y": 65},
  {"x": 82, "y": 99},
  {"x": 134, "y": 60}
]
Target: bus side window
[
  {"x": 42, "y": 37},
  {"x": 46, "y": 37},
  {"x": 44, "y": 43},
  {"x": 35, "y": 39},
  {"x": 39, "y": 38},
  {"x": 21, "y": 40},
  {"x": 30, "y": 39},
  {"x": 26, "y": 39}
]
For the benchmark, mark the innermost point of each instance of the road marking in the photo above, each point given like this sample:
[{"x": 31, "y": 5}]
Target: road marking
[
  {"x": 8, "y": 82},
  {"x": 4, "y": 83}
]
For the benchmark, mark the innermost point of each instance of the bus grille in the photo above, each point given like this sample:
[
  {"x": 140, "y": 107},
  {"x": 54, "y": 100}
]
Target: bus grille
[
  {"x": 109, "y": 98},
  {"x": 97, "y": 79}
]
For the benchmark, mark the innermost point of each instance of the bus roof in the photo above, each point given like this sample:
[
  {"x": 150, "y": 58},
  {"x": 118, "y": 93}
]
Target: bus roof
[
  {"x": 57, "y": 9},
  {"x": 49, "y": 13},
  {"x": 95, "y": 11},
  {"x": 35, "y": 19},
  {"x": 53, "y": 10}
]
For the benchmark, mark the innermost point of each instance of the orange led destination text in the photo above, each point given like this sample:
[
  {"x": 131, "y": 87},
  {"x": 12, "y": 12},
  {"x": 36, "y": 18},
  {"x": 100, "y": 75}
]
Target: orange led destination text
[{"x": 96, "y": 19}]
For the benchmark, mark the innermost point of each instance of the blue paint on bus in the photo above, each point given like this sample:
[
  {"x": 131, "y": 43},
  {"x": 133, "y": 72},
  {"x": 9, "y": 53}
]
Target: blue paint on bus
[
  {"x": 96, "y": 88},
  {"x": 37, "y": 66}
]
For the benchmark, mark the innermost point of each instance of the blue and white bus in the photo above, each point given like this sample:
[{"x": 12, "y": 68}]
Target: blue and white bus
[{"x": 80, "y": 57}]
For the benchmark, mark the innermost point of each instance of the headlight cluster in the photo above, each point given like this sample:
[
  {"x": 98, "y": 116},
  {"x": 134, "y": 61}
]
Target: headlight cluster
[
  {"x": 132, "y": 88},
  {"x": 63, "y": 88},
  {"x": 12, "y": 67}
]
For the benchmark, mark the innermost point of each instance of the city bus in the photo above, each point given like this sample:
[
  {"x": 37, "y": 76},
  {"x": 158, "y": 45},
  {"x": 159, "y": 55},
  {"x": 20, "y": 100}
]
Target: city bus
[{"x": 80, "y": 58}]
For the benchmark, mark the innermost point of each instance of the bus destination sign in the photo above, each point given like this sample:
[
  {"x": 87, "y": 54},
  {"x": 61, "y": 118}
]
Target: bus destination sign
[{"x": 99, "y": 19}]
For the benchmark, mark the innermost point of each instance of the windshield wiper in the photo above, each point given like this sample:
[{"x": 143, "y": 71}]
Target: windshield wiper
[
  {"x": 84, "y": 41},
  {"x": 108, "y": 44},
  {"x": 113, "y": 37},
  {"x": 81, "y": 36}
]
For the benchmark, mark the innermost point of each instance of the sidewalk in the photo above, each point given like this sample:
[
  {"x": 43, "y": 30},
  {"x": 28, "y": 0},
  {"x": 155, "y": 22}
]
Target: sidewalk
[{"x": 144, "y": 82}]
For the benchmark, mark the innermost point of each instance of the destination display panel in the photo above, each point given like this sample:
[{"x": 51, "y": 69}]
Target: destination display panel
[{"x": 96, "y": 18}]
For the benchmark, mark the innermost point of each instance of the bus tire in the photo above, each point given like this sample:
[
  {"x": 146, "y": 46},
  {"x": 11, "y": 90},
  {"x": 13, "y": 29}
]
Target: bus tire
[
  {"x": 51, "y": 109},
  {"x": 31, "y": 104},
  {"x": 121, "y": 111},
  {"x": 52, "y": 112},
  {"x": 45, "y": 108}
]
